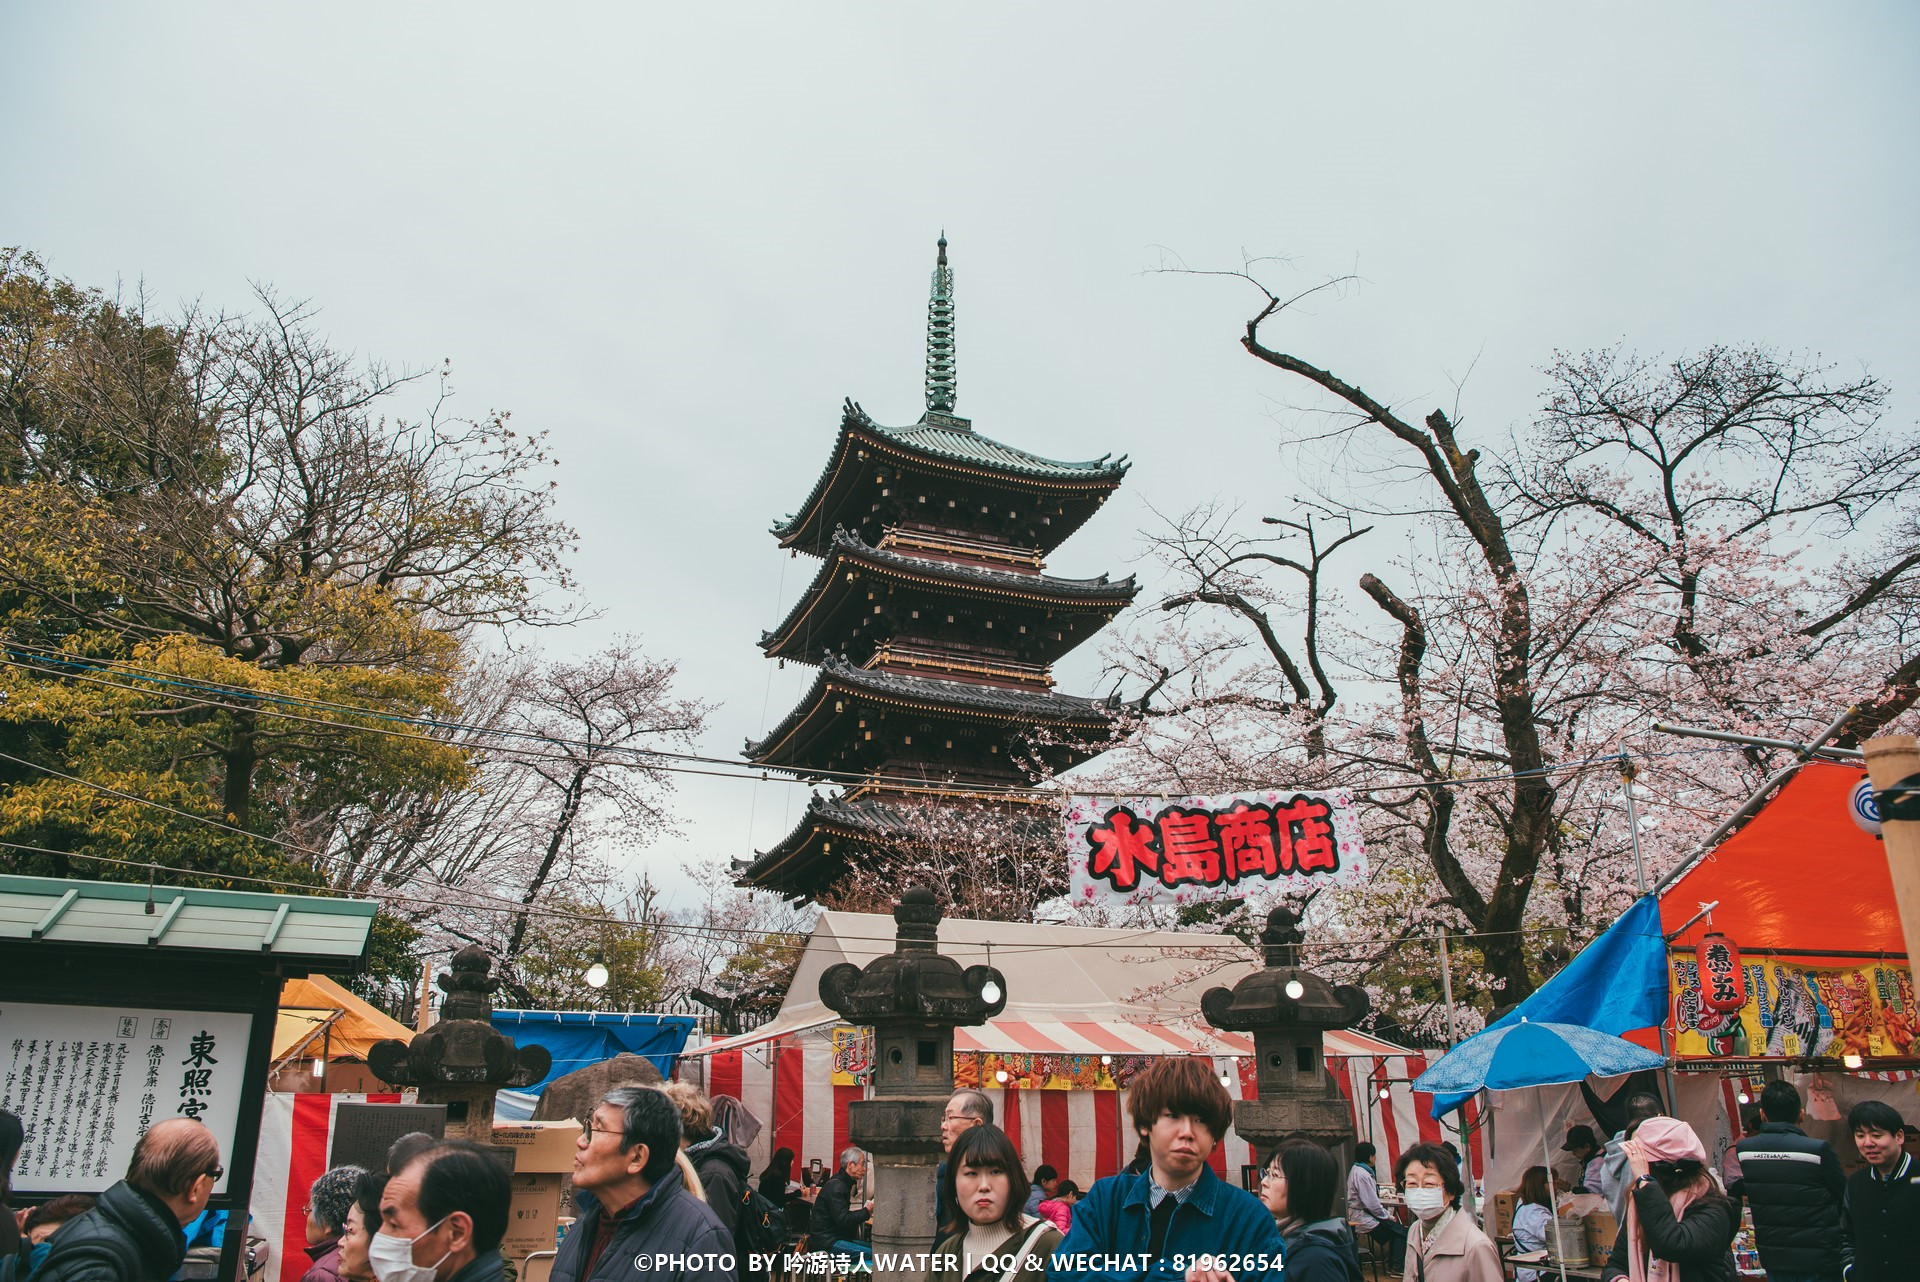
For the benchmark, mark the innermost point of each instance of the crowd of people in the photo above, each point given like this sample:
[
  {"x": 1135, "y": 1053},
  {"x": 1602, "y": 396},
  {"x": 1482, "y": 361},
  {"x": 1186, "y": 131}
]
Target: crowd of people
[{"x": 661, "y": 1190}]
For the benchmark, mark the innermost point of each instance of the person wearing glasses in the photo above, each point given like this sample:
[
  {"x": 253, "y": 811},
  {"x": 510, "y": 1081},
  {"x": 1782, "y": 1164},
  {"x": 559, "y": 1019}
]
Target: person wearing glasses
[
  {"x": 327, "y": 1207},
  {"x": 133, "y": 1233},
  {"x": 638, "y": 1220},
  {"x": 965, "y": 1110}
]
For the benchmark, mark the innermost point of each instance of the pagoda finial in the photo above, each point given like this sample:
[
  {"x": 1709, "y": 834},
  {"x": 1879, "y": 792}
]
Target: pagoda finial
[{"x": 940, "y": 364}]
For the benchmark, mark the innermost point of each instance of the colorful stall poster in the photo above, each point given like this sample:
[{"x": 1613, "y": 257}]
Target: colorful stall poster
[
  {"x": 982, "y": 1069},
  {"x": 852, "y": 1056},
  {"x": 1797, "y": 1008},
  {"x": 1150, "y": 850},
  {"x": 87, "y": 1082}
]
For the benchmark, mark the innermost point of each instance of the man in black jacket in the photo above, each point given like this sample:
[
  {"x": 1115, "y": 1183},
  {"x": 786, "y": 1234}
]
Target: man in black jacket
[
  {"x": 1880, "y": 1221},
  {"x": 1795, "y": 1186},
  {"x": 638, "y": 1222},
  {"x": 836, "y": 1221},
  {"x": 133, "y": 1233}
]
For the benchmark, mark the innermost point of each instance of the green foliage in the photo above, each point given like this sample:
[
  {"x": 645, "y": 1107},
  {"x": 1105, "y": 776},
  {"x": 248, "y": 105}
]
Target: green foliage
[{"x": 569, "y": 936}]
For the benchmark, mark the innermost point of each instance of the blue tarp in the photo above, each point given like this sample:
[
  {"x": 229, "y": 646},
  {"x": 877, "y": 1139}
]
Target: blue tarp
[
  {"x": 1617, "y": 984},
  {"x": 577, "y": 1038}
]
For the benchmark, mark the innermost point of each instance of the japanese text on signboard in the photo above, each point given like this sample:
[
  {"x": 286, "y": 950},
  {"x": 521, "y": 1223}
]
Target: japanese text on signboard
[
  {"x": 1144, "y": 850},
  {"x": 88, "y": 1081}
]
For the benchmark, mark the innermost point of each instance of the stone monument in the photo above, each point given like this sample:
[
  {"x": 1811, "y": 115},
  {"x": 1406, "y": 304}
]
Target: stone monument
[
  {"x": 913, "y": 998},
  {"x": 462, "y": 1060},
  {"x": 1287, "y": 1009}
]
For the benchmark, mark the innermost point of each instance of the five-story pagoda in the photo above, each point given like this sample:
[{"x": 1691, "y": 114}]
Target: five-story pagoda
[{"x": 933, "y": 624}]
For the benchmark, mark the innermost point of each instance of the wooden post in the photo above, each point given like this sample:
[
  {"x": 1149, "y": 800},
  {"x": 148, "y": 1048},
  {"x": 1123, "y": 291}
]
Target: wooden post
[{"x": 1890, "y": 760}]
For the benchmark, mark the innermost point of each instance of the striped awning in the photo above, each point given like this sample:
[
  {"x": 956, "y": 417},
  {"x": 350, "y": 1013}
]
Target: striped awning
[{"x": 1081, "y": 1037}]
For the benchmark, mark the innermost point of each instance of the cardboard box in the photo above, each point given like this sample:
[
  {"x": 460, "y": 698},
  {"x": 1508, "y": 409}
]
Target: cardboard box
[
  {"x": 1504, "y": 1204},
  {"x": 533, "y": 1215},
  {"x": 1601, "y": 1228},
  {"x": 540, "y": 1148}
]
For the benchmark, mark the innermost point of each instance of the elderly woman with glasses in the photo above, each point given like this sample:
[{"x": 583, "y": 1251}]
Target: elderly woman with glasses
[{"x": 327, "y": 1207}]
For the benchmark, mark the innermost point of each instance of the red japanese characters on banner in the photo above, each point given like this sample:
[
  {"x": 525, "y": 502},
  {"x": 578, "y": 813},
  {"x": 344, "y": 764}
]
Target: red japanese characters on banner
[
  {"x": 1146, "y": 850},
  {"x": 1723, "y": 984}
]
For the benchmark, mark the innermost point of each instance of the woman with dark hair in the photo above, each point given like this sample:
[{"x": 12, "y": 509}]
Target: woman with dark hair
[
  {"x": 1680, "y": 1226},
  {"x": 1532, "y": 1219},
  {"x": 327, "y": 1206},
  {"x": 985, "y": 1178},
  {"x": 12, "y": 1136},
  {"x": 1298, "y": 1186},
  {"x": 779, "y": 1174},
  {"x": 362, "y": 1222},
  {"x": 1444, "y": 1245}
]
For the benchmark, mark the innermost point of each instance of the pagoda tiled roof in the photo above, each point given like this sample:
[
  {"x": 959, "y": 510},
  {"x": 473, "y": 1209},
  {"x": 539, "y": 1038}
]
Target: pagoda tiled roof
[
  {"x": 946, "y": 438},
  {"x": 871, "y": 820},
  {"x": 850, "y": 546},
  {"x": 1040, "y": 707}
]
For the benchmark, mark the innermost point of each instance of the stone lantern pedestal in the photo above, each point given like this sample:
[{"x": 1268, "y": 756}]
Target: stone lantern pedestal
[
  {"x": 913, "y": 998},
  {"x": 462, "y": 1060},
  {"x": 1287, "y": 1009}
]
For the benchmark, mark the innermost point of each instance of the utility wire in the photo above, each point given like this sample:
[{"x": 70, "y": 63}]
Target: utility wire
[{"x": 733, "y": 769}]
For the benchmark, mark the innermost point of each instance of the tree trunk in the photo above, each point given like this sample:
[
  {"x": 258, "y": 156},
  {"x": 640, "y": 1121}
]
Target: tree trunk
[{"x": 242, "y": 757}]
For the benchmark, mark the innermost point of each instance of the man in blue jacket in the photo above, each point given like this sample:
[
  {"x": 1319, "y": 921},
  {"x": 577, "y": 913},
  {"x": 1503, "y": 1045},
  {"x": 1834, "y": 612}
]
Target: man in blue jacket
[
  {"x": 1176, "y": 1221},
  {"x": 638, "y": 1221}
]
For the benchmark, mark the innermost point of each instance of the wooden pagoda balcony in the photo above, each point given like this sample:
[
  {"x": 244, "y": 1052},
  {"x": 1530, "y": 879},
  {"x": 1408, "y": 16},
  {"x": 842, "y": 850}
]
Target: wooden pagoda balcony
[
  {"x": 918, "y": 659},
  {"x": 922, "y": 542}
]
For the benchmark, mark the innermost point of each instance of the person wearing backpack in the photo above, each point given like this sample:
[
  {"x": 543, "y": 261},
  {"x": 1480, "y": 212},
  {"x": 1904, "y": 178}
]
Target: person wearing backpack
[{"x": 133, "y": 1233}]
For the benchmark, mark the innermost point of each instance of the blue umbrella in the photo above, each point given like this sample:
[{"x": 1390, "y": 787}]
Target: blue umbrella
[{"x": 1525, "y": 1054}]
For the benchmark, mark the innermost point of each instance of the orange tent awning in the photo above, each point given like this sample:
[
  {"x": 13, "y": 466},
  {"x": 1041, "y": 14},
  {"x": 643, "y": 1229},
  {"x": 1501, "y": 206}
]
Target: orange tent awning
[
  {"x": 1801, "y": 875},
  {"x": 319, "y": 1016}
]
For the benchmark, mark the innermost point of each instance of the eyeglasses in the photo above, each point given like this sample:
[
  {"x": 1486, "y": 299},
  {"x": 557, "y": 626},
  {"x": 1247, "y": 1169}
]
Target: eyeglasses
[
  {"x": 601, "y": 1130},
  {"x": 215, "y": 1171},
  {"x": 1273, "y": 1173}
]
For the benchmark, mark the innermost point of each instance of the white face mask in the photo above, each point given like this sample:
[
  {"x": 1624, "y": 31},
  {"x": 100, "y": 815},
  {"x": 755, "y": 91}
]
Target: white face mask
[
  {"x": 1425, "y": 1203},
  {"x": 392, "y": 1257}
]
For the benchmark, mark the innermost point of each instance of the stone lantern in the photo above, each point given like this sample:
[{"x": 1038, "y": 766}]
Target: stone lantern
[
  {"x": 1287, "y": 1009},
  {"x": 913, "y": 998},
  {"x": 462, "y": 1060}
]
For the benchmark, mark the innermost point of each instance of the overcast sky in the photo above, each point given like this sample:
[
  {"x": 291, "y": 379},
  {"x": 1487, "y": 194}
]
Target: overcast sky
[{"x": 676, "y": 236}]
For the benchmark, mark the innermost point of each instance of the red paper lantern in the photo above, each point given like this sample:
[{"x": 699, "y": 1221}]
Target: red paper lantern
[{"x": 1723, "y": 982}]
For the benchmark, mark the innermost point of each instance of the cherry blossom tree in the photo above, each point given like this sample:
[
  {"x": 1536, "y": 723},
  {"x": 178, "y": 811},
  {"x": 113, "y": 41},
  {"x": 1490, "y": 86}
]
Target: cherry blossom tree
[{"x": 1725, "y": 537}]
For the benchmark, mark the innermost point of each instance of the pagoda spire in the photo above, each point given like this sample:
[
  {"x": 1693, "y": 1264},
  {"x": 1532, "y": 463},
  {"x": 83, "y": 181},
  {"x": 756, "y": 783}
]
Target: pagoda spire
[{"x": 940, "y": 364}]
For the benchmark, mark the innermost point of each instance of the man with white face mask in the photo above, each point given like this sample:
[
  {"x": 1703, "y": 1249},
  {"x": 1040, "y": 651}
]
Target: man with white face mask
[{"x": 442, "y": 1217}]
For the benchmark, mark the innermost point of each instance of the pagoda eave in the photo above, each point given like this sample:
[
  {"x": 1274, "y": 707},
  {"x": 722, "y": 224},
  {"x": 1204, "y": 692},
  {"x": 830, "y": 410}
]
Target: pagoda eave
[
  {"x": 810, "y": 528},
  {"x": 953, "y": 701}
]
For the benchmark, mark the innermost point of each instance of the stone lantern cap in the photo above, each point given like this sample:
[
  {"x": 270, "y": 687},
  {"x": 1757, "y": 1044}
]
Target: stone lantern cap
[
  {"x": 915, "y": 982},
  {"x": 463, "y": 1047},
  {"x": 1264, "y": 1000}
]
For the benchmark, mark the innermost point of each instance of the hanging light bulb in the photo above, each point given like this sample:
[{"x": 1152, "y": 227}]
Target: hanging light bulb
[
  {"x": 1744, "y": 1097},
  {"x": 1385, "y": 1093},
  {"x": 1851, "y": 1060},
  {"x": 1000, "y": 1076},
  {"x": 1226, "y": 1080},
  {"x": 597, "y": 974},
  {"x": 989, "y": 992},
  {"x": 1296, "y": 989},
  {"x": 1106, "y": 1059}
]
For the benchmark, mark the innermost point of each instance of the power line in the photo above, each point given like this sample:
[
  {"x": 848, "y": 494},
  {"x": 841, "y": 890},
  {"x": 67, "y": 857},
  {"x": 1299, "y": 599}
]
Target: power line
[
  {"x": 658, "y": 757},
  {"x": 771, "y": 937}
]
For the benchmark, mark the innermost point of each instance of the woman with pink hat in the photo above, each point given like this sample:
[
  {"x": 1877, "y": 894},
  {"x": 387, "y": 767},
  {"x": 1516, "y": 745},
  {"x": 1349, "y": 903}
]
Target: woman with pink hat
[{"x": 1680, "y": 1226}]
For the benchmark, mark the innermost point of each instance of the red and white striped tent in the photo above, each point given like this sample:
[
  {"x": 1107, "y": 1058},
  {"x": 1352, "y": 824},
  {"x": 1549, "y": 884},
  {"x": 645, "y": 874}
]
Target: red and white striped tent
[{"x": 1075, "y": 994}]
